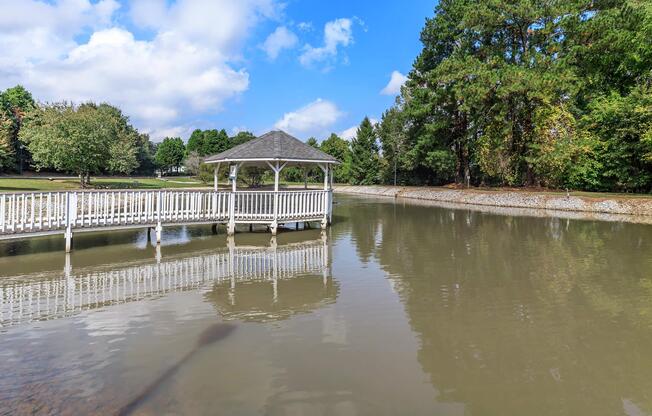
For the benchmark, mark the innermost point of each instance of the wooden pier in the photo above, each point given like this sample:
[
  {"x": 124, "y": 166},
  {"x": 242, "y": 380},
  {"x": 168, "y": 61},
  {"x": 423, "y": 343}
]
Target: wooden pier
[{"x": 40, "y": 213}]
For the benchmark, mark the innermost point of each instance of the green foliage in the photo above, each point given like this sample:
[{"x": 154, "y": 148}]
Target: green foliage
[
  {"x": 170, "y": 153},
  {"x": 122, "y": 140},
  {"x": 526, "y": 93},
  {"x": 241, "y": 137},
  {"x": 146, "y": 151},
  {"x": 88, "y": 139},
  {"x": 341, "y": 150},
  {"x": 365, "y": 160},
  {"x": 15, "y": 103},
  {"x": 85, "y": 139},
  {"x": 312, "y": 142},
  {"x": 623, "y": 127},
  {"x": 208, "y": 142},
  {"x": 7, "y": 133}
]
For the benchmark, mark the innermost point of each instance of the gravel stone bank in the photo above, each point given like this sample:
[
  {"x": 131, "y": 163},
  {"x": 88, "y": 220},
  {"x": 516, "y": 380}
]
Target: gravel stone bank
[{"x": 510, "y": 199}]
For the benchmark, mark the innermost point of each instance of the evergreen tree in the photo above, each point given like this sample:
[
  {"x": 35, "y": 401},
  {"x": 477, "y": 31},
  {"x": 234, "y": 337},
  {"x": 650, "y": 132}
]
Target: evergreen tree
[{"x": 365, "y": 163}]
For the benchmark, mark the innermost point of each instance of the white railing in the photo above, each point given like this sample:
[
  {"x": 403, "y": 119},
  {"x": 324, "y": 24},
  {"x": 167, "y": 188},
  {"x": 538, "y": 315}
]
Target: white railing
[
  {"x": 33, "y": 212},
  {"x": 52, "y": 296}
]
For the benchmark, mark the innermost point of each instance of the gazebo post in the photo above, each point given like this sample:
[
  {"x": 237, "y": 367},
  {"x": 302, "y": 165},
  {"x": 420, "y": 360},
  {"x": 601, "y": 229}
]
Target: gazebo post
[
  {"x": 234, "y": 181},
  {"x": 276, "y": 167},
  {"x": 324, "y": 222}
]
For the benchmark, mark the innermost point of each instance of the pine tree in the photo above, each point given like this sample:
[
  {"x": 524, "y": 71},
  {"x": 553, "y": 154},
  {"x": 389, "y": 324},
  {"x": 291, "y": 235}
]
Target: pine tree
[{"x": 365, "y": 160}]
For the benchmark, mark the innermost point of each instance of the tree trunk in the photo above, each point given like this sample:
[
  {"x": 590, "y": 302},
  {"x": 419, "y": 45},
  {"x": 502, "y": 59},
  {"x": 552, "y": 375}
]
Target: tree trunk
[{"x": 394, "y": 169}]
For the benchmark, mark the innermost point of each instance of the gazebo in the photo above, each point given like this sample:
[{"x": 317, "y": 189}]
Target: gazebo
[{"x": 276, "y": 150}]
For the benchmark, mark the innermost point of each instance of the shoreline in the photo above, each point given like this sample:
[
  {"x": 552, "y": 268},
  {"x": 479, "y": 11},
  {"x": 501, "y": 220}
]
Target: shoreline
[{"x": 620, "y": 205}]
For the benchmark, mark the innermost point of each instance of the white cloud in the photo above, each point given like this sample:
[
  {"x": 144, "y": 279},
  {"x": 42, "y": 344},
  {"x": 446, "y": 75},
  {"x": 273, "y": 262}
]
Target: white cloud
[
  {"x": 280, "y": 39},
  {"x": 352, "y": 131},
  {"x": 237, "y": 129},
  {"x": 314, "y": 118},
  {"x": 304, "y": 26},
  {"x": 349, "y": 133},
  {"x": 170, "y": 131},
  {"x": 183, "y": 68},
  {"x": 338, "y": 32},
  {"x": 395, "y": 83}
]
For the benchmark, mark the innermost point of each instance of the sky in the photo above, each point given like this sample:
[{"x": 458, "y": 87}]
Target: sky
[{"x": 308, "y": 67}]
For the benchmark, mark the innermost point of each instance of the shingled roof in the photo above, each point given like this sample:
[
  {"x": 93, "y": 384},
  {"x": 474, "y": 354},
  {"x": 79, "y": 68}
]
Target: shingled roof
[{"x": 275, "y": 145}]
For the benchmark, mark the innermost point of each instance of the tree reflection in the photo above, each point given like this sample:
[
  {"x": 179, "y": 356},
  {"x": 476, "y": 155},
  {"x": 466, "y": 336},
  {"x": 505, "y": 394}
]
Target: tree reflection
[{"x": 520, "y": 315}]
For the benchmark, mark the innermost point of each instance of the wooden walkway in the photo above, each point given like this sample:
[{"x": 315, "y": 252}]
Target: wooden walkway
[{"x": 37, "y": 213}]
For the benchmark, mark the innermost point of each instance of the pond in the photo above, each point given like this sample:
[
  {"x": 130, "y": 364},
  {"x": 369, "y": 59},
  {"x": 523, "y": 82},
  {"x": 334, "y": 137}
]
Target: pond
[{"x": 398, "y": 308}]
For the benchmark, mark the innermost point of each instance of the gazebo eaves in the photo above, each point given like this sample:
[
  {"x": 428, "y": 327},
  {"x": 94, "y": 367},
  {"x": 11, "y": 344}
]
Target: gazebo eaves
[{"x": 271, "y": 159}]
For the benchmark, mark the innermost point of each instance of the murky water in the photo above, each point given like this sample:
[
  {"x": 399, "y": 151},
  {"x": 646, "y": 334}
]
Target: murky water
[{"x": 399, "y": 308}]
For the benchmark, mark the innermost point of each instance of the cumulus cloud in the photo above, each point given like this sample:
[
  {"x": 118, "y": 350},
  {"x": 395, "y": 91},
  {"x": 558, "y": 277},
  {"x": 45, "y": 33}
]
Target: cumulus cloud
[
  {"x": 185, "y": 66},
  {"x": 337, "y": 33},
  {"x": 314, "y": 118},
  {"x": 395, "y": 83},
  {"x": 280, "y": 39}
]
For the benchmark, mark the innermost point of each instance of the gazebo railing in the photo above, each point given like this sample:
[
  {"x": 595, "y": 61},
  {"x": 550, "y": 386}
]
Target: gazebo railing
[
  {"x": 292, "y": 205},
  {"x": 41, "y": 212}
]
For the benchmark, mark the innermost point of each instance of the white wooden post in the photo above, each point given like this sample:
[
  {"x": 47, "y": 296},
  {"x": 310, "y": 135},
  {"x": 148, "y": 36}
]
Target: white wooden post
[
  {"x": 71, "y": 217},
  {"x": 159, "y": 226},
  {"x": 234, "y": 180},
  {"x": 324, "y": 221},
  {"x": 230, "y": 229},
  {"x": 274, "y": 225}
]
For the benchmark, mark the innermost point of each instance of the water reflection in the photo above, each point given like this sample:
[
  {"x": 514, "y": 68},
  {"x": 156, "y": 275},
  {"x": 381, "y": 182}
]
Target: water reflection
[
  {"x": 515, "y": 314},
  {"x": 277, "y": 280},
  {"x": 431, "y": 311}
]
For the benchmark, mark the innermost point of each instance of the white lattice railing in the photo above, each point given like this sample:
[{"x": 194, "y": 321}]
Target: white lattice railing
[{"x": 51, "y": 211}]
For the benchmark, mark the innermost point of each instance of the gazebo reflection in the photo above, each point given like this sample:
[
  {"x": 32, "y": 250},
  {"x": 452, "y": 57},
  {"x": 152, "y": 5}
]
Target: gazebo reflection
[
  {"x": 257, "y": 301},
  {"x": 285, "y": 280}
]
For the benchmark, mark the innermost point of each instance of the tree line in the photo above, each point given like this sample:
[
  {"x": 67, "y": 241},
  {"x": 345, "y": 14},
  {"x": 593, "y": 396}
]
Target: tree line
[
  {"x": 92, "y": 139},
  {"x": 523, "y": 92}
]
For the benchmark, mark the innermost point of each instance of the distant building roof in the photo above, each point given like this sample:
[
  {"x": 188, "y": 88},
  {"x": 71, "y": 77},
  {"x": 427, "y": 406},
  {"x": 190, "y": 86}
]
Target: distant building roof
[{"x": 275, "y": 145}]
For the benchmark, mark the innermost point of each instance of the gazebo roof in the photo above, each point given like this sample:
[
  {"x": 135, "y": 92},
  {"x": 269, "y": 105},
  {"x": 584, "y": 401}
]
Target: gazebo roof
[{"x": 275, "y": 145}]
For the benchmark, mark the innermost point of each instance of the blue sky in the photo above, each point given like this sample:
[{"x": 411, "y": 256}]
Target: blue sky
[{"x": 306, "y": 66}]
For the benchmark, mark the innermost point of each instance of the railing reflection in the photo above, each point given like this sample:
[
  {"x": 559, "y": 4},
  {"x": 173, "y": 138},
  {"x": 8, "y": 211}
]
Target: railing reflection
[{"x": 46, "y": 297}]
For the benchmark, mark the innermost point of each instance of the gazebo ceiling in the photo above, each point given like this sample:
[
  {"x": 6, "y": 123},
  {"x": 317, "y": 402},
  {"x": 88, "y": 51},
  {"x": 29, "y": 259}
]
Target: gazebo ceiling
[{"x": 275, "y": 145}]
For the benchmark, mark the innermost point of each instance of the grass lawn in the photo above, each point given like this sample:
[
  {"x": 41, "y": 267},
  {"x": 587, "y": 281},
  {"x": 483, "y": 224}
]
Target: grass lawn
[{"x": 44, "y": 184}]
